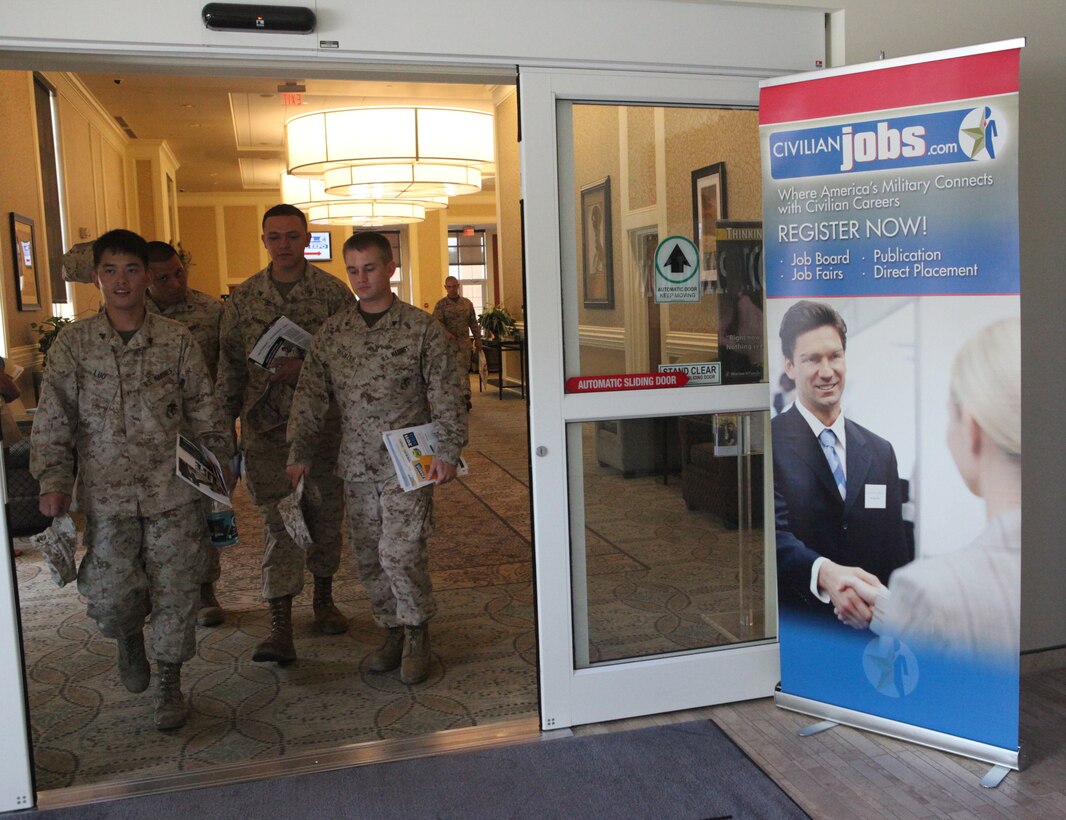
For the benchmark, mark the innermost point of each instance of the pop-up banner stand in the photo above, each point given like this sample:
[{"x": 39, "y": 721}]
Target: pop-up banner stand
[{"x": 890, "y": 214}]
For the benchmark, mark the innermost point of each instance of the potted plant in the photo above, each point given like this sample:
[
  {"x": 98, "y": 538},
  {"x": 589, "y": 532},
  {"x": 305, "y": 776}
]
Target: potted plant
[
  {"x": 497, "y": 322},
  {"x": 46, "y": 331}
]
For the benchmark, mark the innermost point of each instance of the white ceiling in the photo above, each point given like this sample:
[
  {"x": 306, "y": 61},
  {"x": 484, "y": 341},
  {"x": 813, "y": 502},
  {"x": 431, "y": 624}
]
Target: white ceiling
[{"x": 228, "y": 132}]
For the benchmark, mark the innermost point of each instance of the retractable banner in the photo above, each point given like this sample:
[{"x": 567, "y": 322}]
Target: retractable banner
[{"x": 890, "y": 205}]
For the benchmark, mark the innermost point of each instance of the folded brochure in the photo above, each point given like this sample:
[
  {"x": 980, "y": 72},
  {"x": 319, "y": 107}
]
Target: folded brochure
[
  {"x": 411, "y": 450},
  {"x": 281, "y": 339},
  {"x": 198, "y": 466}
]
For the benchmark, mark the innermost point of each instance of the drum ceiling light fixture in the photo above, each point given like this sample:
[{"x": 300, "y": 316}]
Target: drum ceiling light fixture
[
  {"x": 365, "y": 213},
  {"x": 392, "y": 152},
  {"x": 309, "y": 195}
]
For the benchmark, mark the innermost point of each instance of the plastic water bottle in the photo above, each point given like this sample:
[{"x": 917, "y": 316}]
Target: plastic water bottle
[{"x": 222, "y": 524}]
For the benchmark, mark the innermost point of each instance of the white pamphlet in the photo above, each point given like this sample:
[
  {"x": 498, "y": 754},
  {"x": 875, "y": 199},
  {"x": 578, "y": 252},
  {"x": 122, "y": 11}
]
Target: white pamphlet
[{"x": 411, "y": 450}]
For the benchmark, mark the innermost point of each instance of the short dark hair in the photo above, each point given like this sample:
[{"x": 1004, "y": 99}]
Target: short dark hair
[
  {"x": 120, "y": 241},
  {"x": 804, "y": 317},
  {"x": 365, "y": 240},
  {"x": 284, "y": 209},
  {"x": 161, "y": 252}
]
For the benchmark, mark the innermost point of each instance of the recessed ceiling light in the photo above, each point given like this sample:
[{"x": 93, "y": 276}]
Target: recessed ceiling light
[{"x": 194, "y": 125}]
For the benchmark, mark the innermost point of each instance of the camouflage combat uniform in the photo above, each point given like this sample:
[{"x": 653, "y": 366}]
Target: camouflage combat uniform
[
  {"x": 201, "y": 314},
  {"x": 244, "y": 390},
  {"x": 459, "y": 319},
  {"x": 120, "y": 406},
  {"x": 383, "y": 377}
]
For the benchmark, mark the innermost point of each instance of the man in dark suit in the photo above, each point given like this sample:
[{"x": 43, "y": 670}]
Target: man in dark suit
[{"x": 836, "y": 484}]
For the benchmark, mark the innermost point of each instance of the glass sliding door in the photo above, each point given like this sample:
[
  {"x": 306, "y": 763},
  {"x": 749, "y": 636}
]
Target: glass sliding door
[{"x": 654, "y": 575}]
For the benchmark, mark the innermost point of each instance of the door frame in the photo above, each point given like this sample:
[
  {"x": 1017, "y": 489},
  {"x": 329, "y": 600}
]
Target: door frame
[{"x": 572, "y": 696}]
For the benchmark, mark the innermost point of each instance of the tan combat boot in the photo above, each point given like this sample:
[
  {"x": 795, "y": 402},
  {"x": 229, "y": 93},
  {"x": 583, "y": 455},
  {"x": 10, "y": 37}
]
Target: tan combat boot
[
  {"x": 133, "y": 668},
  {"x": 170, "y": 707},
  {"x": 210, "y": 612},
  {"x": 388, "y": 656},
  {"x": 278, "y": 646},
  {"x": 414, "y": 668},
  {"x": 328, "y": 619}
]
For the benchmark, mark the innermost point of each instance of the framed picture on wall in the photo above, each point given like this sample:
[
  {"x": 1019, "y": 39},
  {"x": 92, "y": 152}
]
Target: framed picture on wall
[
  {"x": 597, "y": 263},
  {"x": 708, "y": 206},
  {"x": 24, "y": 251}
]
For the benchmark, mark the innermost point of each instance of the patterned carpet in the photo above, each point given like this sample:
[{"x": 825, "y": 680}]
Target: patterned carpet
[{"x": 660, "y": 579}]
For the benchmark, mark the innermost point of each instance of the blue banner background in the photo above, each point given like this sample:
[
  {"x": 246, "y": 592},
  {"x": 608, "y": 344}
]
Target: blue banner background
[{"x": 961, "y": 213}]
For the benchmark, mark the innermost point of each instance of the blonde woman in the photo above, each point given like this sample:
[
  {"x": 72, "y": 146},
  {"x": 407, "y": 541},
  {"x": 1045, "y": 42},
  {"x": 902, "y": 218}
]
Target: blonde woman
[{"x": 969, "y": 601}]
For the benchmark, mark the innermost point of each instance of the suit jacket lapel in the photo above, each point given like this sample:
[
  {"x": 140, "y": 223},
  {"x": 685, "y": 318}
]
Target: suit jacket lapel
[
  {"x": 859, "y": 462},
  {"x": 805, "y": 445}
]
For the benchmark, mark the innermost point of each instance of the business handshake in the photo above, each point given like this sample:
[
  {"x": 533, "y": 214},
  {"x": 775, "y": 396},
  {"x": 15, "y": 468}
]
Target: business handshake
[{"x": 852, "y": 591}]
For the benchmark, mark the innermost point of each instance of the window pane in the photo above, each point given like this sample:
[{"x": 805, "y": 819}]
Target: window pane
[
  {"x": 672, "y": 248},
  {"x": 673, "y": 536},
  {"x": 475, "y": 292}
]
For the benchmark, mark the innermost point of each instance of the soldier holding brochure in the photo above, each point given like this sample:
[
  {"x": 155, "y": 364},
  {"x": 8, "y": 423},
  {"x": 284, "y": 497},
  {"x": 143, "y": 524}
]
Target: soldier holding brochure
[
  {"x": 307, "y": 296},
  {"x": 119, "y": 387},
  {"x": 387, "y": 365}
]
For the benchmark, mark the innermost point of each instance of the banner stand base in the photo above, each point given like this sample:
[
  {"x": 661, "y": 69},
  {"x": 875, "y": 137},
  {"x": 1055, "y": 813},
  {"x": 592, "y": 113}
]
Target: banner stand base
[
  {"x": 994, "y": 776},
  {"x": 903, "y": 731},
  {"x": 817, "y": 728}
]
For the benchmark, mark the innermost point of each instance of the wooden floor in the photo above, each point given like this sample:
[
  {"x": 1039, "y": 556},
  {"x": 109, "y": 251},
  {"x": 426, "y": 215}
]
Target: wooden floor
[{"x": 847, "y": 773}]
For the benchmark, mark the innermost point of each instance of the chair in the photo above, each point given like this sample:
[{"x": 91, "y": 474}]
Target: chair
[
  {"x": 23, "y": 515},
  {"x": 709, "y": 482},
  {"x": 494, "y": 364}
]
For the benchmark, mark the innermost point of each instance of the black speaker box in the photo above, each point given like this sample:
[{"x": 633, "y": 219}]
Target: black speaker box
[{"x": 240, "y": 17}]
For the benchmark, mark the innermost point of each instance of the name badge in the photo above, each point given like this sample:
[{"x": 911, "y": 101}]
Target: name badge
[{"x": 876, "y": 496}]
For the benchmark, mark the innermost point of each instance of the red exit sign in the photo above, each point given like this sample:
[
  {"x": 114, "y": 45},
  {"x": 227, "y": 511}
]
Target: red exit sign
[{"x": 292, "y": 98}]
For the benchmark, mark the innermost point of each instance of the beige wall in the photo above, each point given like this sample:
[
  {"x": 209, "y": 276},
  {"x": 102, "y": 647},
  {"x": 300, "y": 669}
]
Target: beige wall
[
  {"x": 508, "y": 194},
  {"x": 696, "y": 138},
  {"x": 20, "y": 193},
  {"x": 223, "y": 232},
  {"x": 199, "y": 237},
  {"x": 96, "y": 190},
  {"x": 678, "y": 141},
  {"x": 429, "y": 258},
  {"x": 597, "y": 156},
  {"x": 242, "y": 227}
]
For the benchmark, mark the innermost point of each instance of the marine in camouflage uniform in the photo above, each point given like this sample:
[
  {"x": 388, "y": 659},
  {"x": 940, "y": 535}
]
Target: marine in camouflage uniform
[
  {"x": 118, "y": 389},
  {"x": 388, "y": 365},
  {"x": 459, "y": 318},
  {"x": 307, "y": 296},
  {"x": 169, "y": 295}
]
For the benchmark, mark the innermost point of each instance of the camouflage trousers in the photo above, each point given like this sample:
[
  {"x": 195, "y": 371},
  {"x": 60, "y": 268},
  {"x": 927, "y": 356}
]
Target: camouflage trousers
[
  {"x": 461, "y": 349},
  {"x": 387, "y": 530},
  {"x": 283, "y": 560},
  {"x": 210, "y": 567},
  {"x": 136, "y": 563}
]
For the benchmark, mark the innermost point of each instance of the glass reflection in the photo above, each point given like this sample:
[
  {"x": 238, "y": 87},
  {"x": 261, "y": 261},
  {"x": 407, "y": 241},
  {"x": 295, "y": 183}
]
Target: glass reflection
[
  {"x": 668, "y": 537},
  {"x": 646, "y": 175}
]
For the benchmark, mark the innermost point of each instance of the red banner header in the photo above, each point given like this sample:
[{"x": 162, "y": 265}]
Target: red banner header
[{"x": 883, "y": 89}]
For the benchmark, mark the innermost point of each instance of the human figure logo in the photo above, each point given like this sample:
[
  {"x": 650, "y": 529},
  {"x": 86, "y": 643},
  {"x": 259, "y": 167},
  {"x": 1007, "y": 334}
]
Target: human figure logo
[
  {"x": 890, "y": 666},
  {"x": 979, "y": 133}
]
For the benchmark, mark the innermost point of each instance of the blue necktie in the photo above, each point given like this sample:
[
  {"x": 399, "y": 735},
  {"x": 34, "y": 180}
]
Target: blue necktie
[{"x": 829, "y": 439}]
